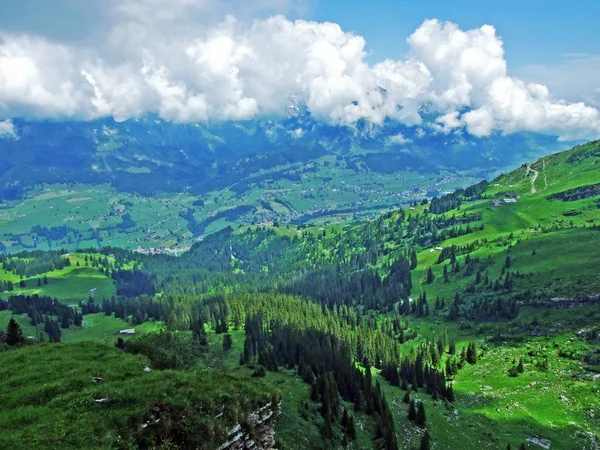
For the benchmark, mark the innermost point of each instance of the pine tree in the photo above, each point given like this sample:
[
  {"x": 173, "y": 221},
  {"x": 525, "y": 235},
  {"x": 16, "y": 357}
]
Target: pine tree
[
  {"x": 314, "y": 392},
  {"x": 412, "y": 412},
  {"x": 430, "y": 276},
  {"x": 227, "y": 342},
  {"x": 64, "y": 321},
  {"x": 425, "y": 441},
  {"x": 472, "y": 353},
  {"x": 450, "y": 394},
  {"x": 14, "y": 335},
  {"x": 351, "y": 429},
  {"x": 421, "y": 419}
]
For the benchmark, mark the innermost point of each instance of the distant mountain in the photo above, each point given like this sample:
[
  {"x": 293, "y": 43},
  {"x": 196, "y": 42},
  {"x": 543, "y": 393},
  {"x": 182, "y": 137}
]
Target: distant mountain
[
  {"x": 149, "y": 155},
  {"x": 151, "y": 183}
]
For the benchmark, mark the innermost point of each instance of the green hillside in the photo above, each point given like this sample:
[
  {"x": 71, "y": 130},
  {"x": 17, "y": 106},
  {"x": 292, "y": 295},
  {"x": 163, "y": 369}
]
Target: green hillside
[
  {"x": 481, "y": 305},
  {"x": 50, "y": 400}
]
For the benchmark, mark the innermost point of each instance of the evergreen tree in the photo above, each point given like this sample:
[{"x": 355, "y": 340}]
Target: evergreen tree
[
  {"x": 64, "y": 323},
  {"x": 430, "y": 276},
  {"x": 421, "y": 420},
  {"x": 472, "y": 353},
  {"x": 450, "y": 394},
  {"x": 351, "y": 429},
  {"x": 412, "y": 411},
  {"x": 425, "y": 441},
  {"x": 14, "y": 335},
  {"x": 227, "y": 342},
  {"x": 120, "y": 343}
]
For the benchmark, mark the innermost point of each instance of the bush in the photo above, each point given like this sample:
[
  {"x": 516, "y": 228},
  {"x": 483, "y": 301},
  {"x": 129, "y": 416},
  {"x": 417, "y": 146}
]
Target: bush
[{"x": 166, "y": 349}]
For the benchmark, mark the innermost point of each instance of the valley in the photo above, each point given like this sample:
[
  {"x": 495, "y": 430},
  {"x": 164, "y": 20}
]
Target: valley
[
  {"x": 150, "y": 184},
  {"x": 479, "y": 305}
]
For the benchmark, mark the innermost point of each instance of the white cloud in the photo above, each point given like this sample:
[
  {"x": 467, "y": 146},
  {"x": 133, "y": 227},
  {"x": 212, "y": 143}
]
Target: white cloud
[
  {"x": 297, "y": 133},
  {"x": 188, "y": 62},
  {"x": 447, "y": 122},
  {"x": 399, "y": 139},
  {"x": 7, "y": 130}
]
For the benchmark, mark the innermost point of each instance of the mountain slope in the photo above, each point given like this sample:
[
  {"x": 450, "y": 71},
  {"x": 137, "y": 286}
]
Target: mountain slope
[{"x": 108, "y": 182}]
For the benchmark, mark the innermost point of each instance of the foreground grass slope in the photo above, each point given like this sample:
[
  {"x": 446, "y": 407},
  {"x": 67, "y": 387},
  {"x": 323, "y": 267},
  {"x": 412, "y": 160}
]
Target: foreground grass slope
[{"x": 49, "y": 400}]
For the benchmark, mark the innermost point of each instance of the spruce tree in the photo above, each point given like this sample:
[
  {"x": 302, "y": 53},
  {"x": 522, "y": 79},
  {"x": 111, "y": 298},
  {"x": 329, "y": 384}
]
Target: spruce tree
[
  {"x": 227, "y": 342},
  {"x": 421, "y": 420},
  {"x": 64, "y": 321},
  {"x": 450, "y": 394},
  {"x": 14, "y": 335},
  {"x": 351, "y": 428},
  {"x": 472, "y": 353},
  {"x": 430, "y": 276},
  {"x": 412, "y": 412},
  {"x": 425, "y": 441}
]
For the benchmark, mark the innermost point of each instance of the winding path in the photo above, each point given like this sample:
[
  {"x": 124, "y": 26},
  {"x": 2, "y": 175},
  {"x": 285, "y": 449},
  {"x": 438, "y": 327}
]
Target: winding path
[{"x": 535, "y": 175}]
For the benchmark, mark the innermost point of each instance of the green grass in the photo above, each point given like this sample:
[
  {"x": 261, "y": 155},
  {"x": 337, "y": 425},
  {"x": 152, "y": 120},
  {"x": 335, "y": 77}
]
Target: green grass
[
  {"x": 48, "y": 397},
  {"x": 492, "y": 409},
  {"x": 70, "y": 285}
]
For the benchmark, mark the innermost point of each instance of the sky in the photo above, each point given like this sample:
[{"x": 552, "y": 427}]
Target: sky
[{"x": 483, "y": 67}]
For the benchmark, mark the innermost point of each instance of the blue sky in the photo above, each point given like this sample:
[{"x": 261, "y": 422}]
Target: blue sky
[{"x": 533, "y": 31}]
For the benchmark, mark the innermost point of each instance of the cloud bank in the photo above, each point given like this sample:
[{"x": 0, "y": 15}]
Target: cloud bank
[{"x": 187, "y": 62}]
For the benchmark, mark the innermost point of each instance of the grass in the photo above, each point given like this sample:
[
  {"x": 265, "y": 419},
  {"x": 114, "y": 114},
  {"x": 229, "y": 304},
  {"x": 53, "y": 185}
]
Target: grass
[
  {"x": 70, "y": 285},
  {"x": 95, "y": 327},
  {"x": 48, "y": 397},
  {"x": 492, "y": 409}
]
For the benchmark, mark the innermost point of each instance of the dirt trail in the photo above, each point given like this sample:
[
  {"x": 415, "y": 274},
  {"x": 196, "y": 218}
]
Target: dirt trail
[
  {"x": 534, "y": 177},
  {"x": 545, "y": 177}
]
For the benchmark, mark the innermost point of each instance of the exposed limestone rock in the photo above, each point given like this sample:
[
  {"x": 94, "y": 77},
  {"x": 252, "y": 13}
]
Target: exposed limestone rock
[{"x": 256, "y": 433}]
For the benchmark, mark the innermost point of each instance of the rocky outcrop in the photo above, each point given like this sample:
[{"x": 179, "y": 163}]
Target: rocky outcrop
[
  {"x": 568, "y": 302},
  {"x": 256, "y": 432}
]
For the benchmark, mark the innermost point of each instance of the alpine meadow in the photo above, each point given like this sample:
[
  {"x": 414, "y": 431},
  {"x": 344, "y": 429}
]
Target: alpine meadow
[{"x": 236, "y": 225}]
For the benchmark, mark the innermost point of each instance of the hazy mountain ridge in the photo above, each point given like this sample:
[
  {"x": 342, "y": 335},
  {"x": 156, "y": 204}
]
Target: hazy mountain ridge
[
  {"x": 152, "y": 183},
  {"x": 196, "y": 155}
]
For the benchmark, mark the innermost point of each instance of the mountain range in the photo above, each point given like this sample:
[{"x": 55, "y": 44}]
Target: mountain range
[{"x": 294, "y": 168}]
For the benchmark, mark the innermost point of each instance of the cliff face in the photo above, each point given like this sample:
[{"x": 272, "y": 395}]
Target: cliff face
[{"x": 256, "y": 432}]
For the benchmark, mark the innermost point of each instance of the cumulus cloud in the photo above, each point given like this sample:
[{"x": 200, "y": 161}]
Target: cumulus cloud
[
  {"x": 188, "y": 61},
  {"x": 7, "y": 130},
  {"x": 399, "y": 139}
]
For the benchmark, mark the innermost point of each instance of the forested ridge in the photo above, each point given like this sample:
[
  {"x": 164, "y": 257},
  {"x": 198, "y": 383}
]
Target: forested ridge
[{"x": 355, "y": 313}]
